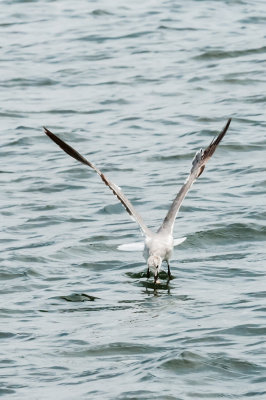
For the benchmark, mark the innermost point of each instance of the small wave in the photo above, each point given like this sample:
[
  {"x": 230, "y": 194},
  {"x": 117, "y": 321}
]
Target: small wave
[
  {"x": 23, "y": 82},
  {"x": 238, "y": 232},
  {"x": 190, "y": 362},
  {"x": 100, "y": 13},
  {"x": 220, "y": 54},
  {"x": 117, "y": 348},
  {"x": 175, "y": 28},
  {"x": 102, "y": 39},
  {"x": 245, "y": 330}
]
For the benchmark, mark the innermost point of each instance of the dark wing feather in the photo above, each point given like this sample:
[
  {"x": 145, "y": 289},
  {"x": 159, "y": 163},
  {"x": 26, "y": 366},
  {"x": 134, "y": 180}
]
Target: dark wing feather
[{"x": 115, "y": 189}]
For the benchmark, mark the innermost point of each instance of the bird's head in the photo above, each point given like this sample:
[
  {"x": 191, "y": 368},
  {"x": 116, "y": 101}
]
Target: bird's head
[{"x": 154, "y": 264}]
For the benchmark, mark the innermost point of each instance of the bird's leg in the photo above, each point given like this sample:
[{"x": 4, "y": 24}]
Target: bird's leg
[
  {"x": 156, "y": 277},
  {"x": 169, "y": 272},
  {"x": 148, "y": 273}
]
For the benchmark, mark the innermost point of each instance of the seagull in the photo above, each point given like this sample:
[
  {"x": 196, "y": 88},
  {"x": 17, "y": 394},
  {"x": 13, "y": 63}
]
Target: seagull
[{"x": 157, "y": 246}]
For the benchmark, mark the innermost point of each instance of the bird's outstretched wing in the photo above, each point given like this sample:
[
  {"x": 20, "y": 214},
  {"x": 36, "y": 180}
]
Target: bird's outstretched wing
[
  {"x": 198, "y": 165},
  {"x": 115, "y": 189}
]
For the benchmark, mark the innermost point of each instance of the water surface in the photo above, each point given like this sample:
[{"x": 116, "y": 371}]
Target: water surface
[{"x": 137, "y": 88}]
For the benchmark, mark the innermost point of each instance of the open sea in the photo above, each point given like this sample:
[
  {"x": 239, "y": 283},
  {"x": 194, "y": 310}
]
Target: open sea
[{"x": 136, "y": 87}]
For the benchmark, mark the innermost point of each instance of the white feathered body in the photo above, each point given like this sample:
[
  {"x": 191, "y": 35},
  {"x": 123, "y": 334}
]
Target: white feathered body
[{"x": 159, "y": 245}]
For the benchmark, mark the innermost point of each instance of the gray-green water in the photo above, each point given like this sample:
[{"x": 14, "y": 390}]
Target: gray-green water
[{"x": 137, "y": 88}]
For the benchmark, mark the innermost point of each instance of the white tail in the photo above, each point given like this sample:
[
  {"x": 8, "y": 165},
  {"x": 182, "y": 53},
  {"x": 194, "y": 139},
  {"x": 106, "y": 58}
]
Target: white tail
[{"x": 138, "y": 246}]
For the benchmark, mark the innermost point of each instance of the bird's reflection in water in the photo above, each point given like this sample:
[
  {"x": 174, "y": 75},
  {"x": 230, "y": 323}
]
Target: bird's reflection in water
[{"x": 156, "y": 289}]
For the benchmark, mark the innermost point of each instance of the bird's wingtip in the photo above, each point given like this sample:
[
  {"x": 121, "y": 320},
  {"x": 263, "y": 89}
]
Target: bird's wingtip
[{"x": 229, "y": 122}]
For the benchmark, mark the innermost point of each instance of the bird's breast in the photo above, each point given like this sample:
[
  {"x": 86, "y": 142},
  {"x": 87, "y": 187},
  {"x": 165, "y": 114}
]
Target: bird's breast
[{"x": 160, "y": 246}]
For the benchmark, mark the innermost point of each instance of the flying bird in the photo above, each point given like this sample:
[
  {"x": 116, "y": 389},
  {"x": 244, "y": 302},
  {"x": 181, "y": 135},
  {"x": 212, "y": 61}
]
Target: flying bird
[{"x": 157, "y": 246}]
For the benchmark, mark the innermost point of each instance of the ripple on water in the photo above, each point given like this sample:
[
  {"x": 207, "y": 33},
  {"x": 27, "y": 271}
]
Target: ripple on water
[
  {"x": 215, "y": 364},
  {"x": 137, "y": 88}
]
